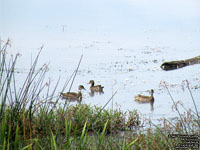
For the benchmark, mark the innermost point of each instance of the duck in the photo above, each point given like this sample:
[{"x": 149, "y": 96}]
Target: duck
[
  {"x": 73, "y": 95},
  {"x": 95, "y": 88},
  {"x": 145, "y": 99}
]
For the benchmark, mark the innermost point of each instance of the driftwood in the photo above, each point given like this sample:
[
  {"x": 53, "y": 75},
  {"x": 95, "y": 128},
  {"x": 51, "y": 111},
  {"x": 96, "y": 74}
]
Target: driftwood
[{"x": 171, "y": 65}]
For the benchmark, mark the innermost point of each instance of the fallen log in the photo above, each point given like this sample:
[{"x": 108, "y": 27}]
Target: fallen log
[{"x": 171, "y": 65}]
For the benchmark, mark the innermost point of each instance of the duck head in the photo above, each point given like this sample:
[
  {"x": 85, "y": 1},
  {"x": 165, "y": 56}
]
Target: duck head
[
  {"x": 152, "y": 91},
  {"x": 91, "y": 82},
  {"x": 81, "y": 87}
]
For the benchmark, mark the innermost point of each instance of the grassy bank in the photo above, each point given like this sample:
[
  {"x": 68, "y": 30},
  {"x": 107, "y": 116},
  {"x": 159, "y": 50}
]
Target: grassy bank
[{"x": 28, "y": 120}]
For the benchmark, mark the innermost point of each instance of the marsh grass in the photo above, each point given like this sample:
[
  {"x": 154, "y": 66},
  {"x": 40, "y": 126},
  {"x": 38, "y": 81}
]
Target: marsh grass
[{"x": 28, "y": 120}]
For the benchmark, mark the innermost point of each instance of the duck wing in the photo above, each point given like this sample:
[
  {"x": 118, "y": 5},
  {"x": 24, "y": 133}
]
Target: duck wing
[
  {"x": 142, "y": 98},
  {"x": 97, "y": 88},
  {"x": 70, "y": 95}
]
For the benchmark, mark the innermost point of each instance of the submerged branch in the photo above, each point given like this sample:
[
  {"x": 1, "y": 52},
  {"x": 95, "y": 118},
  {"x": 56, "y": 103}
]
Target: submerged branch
[{"x": 171, "y": 65}]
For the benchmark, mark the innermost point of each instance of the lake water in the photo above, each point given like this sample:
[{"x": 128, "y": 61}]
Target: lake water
[{"x": 123, "y": 43}]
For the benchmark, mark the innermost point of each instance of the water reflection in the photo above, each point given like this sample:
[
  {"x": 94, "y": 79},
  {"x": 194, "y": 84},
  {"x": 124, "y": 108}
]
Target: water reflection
[
  {"x": 72, "y": 100},
  {"x": 92, "y": 93},
  {"x": 151, "y": 104}
]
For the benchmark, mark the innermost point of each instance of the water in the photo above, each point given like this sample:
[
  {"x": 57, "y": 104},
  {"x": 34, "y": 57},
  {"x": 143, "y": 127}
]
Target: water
[{"x": 123, "y": 45}]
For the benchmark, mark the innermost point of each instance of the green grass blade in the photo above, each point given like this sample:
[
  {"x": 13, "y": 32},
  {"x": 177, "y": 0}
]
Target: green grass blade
[
  {"x": 102, "y": 135},
  {"x": 37, "y": 144},
  {"x": 83, "y": 135},
  {"x": 26, "y": 147},
  {"x": 124, "y": 144},
  {"x": 84, "y": 141},
  {"x": 9, "y": 132},
  {"x": 53, "y": 141},
  {"x": 3, "y": 130},
  {"x": 130, "y": 144},
  {"x": 8, "y": 145},
  {"x": 83, "y": 131},
  {"x": 4, "y": 144},
  {"x": 67, "y": 132},
  {"x": 16, "y": 138}
]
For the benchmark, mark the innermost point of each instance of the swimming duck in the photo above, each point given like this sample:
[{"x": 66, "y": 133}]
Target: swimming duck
[
  {"x": 95, "y": 88},
  {"x": 72, "y": 95},
  {"x": 145, "y": 99}
]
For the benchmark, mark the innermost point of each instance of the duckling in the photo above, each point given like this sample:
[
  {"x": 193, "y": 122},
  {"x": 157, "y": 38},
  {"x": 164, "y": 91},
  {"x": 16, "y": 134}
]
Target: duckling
[
  {"x": 145, "y": 99},
  {"x": 95, "y": 88},
  {"x": 72, "y": 95}
]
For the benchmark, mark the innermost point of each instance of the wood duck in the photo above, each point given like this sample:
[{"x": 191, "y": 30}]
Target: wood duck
[
  {"x": 72, "y": 95},
  {"x": 145, "y": 99},
  {"x": 95, "y": 88}
]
